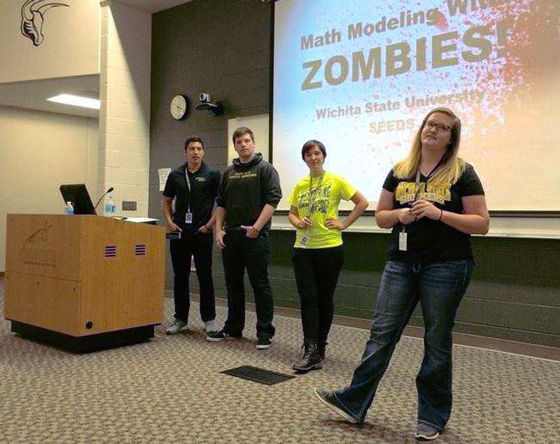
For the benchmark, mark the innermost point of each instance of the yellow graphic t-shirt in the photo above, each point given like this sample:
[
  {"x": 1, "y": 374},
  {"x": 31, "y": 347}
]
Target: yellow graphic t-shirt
[{"x": 324, "y": 197}]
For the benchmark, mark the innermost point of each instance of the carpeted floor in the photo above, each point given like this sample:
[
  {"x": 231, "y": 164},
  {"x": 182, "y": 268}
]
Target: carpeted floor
[{"x": 170, "y": 390}]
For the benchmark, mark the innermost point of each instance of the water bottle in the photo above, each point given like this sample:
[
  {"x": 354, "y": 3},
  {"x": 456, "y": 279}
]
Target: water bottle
[
  {"x": 68, "y": 209},
  {"x": 110, "y": 207}
]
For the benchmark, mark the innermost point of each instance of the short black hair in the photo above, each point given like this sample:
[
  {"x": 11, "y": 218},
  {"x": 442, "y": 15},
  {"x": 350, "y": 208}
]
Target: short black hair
[
  {"x": 193, "y": 139},
  {"x": 311, "y": 144},
  {"x": 242, "y": 130}
]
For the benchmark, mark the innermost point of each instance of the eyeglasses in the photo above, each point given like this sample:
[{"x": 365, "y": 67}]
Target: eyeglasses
[{"x": 440, "y": 127}]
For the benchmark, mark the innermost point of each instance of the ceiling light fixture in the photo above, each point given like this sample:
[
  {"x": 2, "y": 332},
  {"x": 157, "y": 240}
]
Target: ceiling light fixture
[{"x": 70, "y": 99}]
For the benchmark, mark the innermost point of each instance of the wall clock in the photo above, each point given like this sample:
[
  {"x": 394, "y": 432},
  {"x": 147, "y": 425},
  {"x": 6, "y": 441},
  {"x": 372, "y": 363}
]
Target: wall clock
[{"x": 178, "y": 107}]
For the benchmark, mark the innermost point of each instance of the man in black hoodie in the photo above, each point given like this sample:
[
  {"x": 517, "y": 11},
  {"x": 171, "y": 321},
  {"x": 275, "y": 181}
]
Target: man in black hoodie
[{"x": 248, "y": 195}]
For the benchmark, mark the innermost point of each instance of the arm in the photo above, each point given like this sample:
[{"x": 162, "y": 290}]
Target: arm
[
  {"x": 219, "y": 215},
  {"x": 254, "y": 230},
  {"x": 474, "y": 220},
  {"x": 270, "y": 183},
  {"x": 166, "y": 208},
  {"x": 216, "y": 186},
  {"x": 208, "y": 226},
  {"x": 360, "y": 205},
  {"x": 386, "y": 216},
  {"x": 271, "y": 190},
  {"x": 295, "y": 220}
]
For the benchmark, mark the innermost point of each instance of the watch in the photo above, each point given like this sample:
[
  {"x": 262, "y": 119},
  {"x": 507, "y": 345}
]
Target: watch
[{"x": 178, "y": 107}]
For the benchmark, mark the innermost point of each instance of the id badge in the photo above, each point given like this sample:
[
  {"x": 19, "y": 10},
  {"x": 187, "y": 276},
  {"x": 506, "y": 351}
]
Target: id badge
[
  {"x": 188, "y": 218},
  {"x": 402, "y": 240}
]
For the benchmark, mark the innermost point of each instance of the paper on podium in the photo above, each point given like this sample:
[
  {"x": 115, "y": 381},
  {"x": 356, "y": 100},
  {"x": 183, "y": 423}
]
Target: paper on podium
[{"x": 141, "y": 220}]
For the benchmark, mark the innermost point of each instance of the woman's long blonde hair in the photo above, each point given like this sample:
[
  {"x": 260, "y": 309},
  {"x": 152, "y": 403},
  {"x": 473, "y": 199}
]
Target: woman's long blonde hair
[{"x": 451, "y": 167}]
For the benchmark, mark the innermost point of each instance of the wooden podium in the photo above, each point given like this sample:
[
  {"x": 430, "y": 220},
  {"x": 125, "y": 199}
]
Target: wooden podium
[{"x": 83, "y": 282}]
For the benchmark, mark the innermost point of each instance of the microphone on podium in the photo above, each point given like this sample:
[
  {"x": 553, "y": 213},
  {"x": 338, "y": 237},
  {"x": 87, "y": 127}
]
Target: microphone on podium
[{"x": 104, "y": 194}]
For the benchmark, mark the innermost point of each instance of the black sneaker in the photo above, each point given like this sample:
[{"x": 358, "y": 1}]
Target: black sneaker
[
  {"x": 222, "y": 335},
  {"x": 329, "y": 399},
  {"x": 264, "y": 342}
]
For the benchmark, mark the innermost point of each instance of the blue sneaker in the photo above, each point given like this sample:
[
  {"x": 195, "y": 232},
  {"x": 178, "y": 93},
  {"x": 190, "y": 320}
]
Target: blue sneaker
[
  {"x": 425, "y": 432},
  {"x": 327, "y": 397}
]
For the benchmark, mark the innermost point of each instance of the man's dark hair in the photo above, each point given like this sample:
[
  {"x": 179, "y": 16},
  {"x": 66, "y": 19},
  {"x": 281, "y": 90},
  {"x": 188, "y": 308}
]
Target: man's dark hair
[
  {"x": 194, "y": 139},
  {"x": 241, "y": 131}
]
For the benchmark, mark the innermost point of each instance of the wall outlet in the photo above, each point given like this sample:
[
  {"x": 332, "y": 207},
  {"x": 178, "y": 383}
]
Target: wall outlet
[{"x": 129, "y": 205}]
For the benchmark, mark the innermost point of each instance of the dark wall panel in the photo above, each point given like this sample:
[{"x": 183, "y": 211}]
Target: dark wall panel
[{"x": 221, "y": 47}]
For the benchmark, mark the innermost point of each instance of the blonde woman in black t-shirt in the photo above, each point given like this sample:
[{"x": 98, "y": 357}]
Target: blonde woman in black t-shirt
[{"x": 433, "y": 201}]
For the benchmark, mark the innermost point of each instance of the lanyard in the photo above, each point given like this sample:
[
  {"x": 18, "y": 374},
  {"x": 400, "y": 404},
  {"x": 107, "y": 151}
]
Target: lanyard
[
  {"x": 428, "y": 177},
  {"x": 311, "y": 207},
  {"x": 189, "y": 187},
  {"x": 416, "y": 193},
  {"x": 313, "y": 193}
]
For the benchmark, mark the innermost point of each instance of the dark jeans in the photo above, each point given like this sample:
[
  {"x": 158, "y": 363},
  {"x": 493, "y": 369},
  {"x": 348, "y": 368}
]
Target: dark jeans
[
  {"x": 239, "y": 254},
  {"x": 200, "y": 246},
  {"x": 316, "y": 271},
  {"x": 439, "y": 288}
]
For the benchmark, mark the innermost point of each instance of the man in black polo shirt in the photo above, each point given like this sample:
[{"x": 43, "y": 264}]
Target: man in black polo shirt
[
  {"x": 194, "y": 186},
  {"x": 248, "y": 196}
]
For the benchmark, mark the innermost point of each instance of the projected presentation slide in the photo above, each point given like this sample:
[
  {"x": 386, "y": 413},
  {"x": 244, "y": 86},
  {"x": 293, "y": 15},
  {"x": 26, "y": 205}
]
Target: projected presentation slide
[{"x": 360, "y": 76}]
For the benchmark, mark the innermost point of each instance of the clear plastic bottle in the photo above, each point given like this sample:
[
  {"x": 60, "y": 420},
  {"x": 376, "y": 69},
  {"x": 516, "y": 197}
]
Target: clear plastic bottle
[
  {"x": 68, "y": 209},
  {"x": 110, "y": 207}
]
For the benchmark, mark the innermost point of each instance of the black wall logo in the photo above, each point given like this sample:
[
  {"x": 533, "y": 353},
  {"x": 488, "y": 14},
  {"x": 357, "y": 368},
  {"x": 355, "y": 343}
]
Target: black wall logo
[
  {"x": 38, "y": 249},
  {"x": 33, "y": 17}
]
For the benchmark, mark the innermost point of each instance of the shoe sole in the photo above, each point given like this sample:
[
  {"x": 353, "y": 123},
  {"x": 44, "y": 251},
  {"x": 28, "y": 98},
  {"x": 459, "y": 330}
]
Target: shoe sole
[
  {"x": 336, "y": 409},
  {"x": 208, "y": 338},
  {"x": 229, "y": 338},
  {"x": 421, "y": 437},
  {"x": 170, "y": 333},
  {"x": 263, "y": 347},
  {"x": 317, "y": 366}
]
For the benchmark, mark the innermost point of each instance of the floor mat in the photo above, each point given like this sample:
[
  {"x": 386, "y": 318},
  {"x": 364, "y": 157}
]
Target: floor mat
[{"x": 258, "y": 375}]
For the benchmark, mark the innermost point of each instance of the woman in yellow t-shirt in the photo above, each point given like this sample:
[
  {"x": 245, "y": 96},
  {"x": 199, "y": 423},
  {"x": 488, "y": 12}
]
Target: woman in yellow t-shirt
[{"x": 318, "y": 254}]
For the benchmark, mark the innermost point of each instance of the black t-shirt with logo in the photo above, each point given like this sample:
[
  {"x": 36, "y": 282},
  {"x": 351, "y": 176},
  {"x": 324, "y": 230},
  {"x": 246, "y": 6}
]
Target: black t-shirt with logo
[
  {"x": 431, "y": 241},
  {"x": 245, "y": 189},
  {"x": 204, "y": 190}
]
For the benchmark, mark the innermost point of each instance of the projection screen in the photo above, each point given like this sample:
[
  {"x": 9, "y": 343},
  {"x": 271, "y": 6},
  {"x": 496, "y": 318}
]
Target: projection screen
[{"x": 360, "y": 75}]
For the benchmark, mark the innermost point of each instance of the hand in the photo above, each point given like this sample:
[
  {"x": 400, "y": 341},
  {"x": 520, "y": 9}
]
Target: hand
[
  {"x": 304, "y": 223},
  {"x": 423, "y": 208},
  {"x": 204, "y": 229},
  {"x": 172, "y": 227},
  {"x": 334, "y": 224},
  {"x": 251, "y": 231},
  {"x": 219, "y": 239},
  {"x": 405, "y": 216}
]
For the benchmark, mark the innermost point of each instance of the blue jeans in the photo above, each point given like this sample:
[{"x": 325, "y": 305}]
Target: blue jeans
[{"x": 439, "y": 288}]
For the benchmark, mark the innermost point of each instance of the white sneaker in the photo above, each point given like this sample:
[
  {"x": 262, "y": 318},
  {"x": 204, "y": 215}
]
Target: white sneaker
[
  {"x": 177, "y": 326},
  {"x": 210, "y": 326}
]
